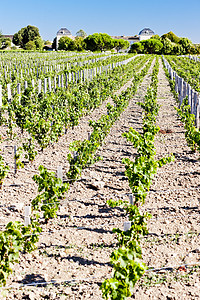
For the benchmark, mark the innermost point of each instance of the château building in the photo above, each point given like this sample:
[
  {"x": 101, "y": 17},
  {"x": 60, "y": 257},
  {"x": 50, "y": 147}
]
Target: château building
[
  {"x": 62, "y": 32},
  {"x": 144, "y": 34}
]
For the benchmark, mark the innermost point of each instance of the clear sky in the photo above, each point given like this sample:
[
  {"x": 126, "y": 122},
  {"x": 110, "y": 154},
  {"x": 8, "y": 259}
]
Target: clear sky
[{"x": 115, "y": 17}]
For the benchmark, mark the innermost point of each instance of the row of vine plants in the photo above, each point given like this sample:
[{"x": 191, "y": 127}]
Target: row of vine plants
[
  {"x": 192, "y": 133},
  {"x": 45, "y": 118},
  {"x": 51, "y": 190},
  {"x": 126, "y": 260}
]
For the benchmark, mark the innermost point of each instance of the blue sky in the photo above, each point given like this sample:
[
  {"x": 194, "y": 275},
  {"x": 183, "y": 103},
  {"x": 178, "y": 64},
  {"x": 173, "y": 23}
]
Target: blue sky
[{"x": 114, "y": 17}]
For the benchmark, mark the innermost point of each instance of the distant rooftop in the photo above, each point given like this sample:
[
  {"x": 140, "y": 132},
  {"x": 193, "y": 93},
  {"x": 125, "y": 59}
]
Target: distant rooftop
[
  {"x": 63, "y": 31},
  {"x": 146, "y": 31}
]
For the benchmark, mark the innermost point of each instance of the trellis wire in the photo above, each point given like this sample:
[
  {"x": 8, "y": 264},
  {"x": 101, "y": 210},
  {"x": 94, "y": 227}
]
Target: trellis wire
[{"x": 54, "y": 282}]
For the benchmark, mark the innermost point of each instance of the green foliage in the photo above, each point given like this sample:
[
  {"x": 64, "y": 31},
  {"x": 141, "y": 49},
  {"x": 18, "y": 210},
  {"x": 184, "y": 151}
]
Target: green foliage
[
  {"x": 120, "y": 44},
  {"x": 86, "y": 150},
  {"x": 127, "y": 259},
  {"x": 128, "y": 270},
  {"x": 79, "y": 43},
  {"x": 30, "y": 46},
  {"x": 30, "y": 235},
  {"x": 18, "y": 158},
  {"x": 140, "y": 174},
  {"x": 11, "y": 243},
  {"x": 137, "y": 48},
  {"x": 51, "y": 191},
  {"x": 85, "y": 157},
  {"x": 186, "y": 45},
  {"x": 3, "y": 171},
  {"x": 66, "y": 43},
  {"x": 192, "y": 134},
  {"x": 168, "y": 46},
  {"x": 152, "y": 46},
  {"x": 156, "y": 36},
  {"x": 15, "y": 238},
  {"x": 26, "y": 35},
  {"x": 99, "y": 42},
  {"x": 29, "y": 148},
  {"x": 39, "y": 43},
  {"x": 168, "y": 43},
  {"x": 5, "y": 43},
  {"x": 171, "y": 36}
]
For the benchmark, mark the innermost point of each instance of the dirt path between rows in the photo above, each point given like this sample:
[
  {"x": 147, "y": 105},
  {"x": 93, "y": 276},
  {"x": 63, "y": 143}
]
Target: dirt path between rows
[{"x": 77, "y": 245}]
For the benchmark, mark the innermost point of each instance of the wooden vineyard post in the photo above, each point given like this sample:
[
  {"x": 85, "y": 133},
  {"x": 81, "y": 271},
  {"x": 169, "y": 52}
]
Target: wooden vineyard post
[
  {"x": 25, "y": 85},
  {"x": 60, "y": 173},
  {"x": 18, "y": 88},
  {"x": 184, "y": 89},
  {"x": 45, "y": 85},
  {"x": 66, "y": 80},
  {"x": 189, "y": 94},
  {"x": 39, "y": 86},
  {"x": 192, "y": 101},
  {"x": 131, "y": 199},
  {"x": 61, "y": 78},
  {"x": 49, "y": 83},
  {"x": 15, "y": 164},
  {"x": 55, "y": 83},
  {"x": 59, "y": 83},
  {"x": 127, "y": 225},
  {"x": 9, "y": 92},
  {"x": 1, "y": 103},
  {"x": 176, "y": 84},
  {"x": 180, "y": 90},
  {"x": 195, "y": 108},
  {"x": 27, "y": 220},
  {"x": 89, "y": 135},
  {"x": 197, "y": 112},
  {"x": 75, "y": 154}
]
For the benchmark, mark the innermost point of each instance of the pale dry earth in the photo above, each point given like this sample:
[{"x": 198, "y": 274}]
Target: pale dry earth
[{"x": 78, "y": 243}]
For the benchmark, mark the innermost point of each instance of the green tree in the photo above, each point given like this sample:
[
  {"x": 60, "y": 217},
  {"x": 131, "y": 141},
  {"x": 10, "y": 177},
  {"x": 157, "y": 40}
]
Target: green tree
[
  {"x": 99, "y": 42},
  {"x": 167, "y": 46},
  {"x": 186, "y": 44},
  {"x": 17, "y": 38},
  {"x": 197, "y": 48},
  {"x": 81, "y": 33},
  {"x": 5, "y": 43},
  {"x": 177, "y": 49},
  {"x": 171, "y": 36},
  {"x": 39, "y": 43},
  {"x": 47, "y": 43},
  {"x": 156, "y": 36},
  {"x": 137, "y": 48},
  {"x": 67, "y": 44},
  {"x": 80, "y": 44},
  {"x": 25, "y": 35},
  {"x": 152, "y": 46},
  {"x": 120, "y": 44},
  {"x": 30, "y": 46}
]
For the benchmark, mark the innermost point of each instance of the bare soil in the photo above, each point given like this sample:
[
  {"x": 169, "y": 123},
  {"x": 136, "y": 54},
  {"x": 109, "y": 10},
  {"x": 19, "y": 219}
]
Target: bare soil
[{"x": 72, "y": 258}]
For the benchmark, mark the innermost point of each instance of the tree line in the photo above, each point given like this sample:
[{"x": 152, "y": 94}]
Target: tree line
[
  {"x": 29, "y": 38},
  {"x": 168, "y": 43},
  {"x": 93, "y": 42}
]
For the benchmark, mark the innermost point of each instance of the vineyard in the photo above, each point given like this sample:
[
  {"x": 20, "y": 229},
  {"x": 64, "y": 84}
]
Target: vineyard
[{"x": 99, "y": 176}]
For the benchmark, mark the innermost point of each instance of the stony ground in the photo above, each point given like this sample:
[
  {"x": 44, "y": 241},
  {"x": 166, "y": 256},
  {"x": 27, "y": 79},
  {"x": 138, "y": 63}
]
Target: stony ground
[{"x": 74, "y": 249}]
